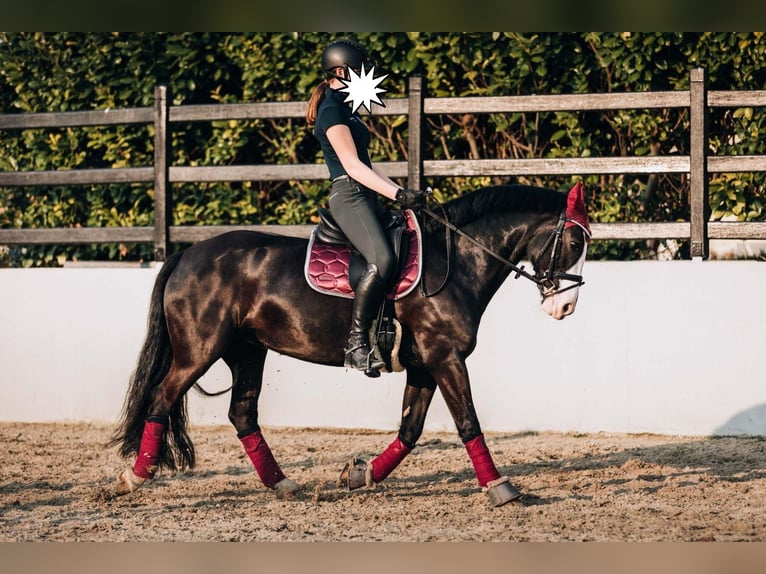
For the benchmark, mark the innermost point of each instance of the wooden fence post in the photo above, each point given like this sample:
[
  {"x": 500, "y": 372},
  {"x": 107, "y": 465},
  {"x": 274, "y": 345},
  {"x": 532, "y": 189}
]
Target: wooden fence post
[
  {"x": 698, "y": 175},
  {"x": 415, "y": 130},
  {"x": 163, "y": 212}
]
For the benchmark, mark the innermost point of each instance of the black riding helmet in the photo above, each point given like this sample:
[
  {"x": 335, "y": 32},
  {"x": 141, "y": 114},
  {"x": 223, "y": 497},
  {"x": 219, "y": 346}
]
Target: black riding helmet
[{"x": 346, "y": 54}]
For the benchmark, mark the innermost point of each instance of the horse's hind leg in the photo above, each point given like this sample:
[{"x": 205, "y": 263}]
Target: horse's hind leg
[
  {"x": 246, "y": 363},
  {"x": 417, "y": 398},
  {"x": 165, "y": 416}
]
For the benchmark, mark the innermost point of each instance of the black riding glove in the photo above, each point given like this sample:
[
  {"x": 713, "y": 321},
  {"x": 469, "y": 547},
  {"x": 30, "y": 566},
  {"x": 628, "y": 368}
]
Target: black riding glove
[{"x": 411, "y": 198}]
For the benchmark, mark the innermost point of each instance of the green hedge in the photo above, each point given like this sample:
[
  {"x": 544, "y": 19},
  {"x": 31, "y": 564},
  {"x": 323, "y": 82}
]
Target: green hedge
[{"x": 44, "y": 72}]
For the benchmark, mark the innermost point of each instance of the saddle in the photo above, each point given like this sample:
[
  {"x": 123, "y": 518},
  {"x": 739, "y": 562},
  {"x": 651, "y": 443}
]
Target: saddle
[{"x": 333, "y": 266}]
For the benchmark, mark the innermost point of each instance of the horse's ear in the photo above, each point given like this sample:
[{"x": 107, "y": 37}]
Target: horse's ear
[{"x": 576, "y": 212}]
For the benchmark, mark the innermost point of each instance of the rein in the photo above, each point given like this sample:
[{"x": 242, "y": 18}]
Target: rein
[{"x": 547, "y": 283}]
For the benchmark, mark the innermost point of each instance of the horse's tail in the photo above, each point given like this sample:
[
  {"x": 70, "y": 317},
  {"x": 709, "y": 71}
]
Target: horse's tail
[{"x": 153, "y": 364}]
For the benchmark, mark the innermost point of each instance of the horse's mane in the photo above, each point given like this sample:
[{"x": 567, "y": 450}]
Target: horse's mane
[{"x": 503, "y": 198}]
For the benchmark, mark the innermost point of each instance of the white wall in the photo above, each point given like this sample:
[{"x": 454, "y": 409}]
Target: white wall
[{"x": 663, "y": 347}]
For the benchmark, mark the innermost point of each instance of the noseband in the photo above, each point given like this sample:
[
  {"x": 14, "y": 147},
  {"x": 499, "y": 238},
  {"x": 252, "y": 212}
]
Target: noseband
[{"x": 548, "y": 282}]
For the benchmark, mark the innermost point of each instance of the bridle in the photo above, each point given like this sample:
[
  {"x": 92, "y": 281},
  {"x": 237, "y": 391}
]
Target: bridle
[{"x": 548, "y": 282}]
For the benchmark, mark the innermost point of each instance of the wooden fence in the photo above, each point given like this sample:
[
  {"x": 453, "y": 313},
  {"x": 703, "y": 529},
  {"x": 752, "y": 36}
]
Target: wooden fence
[{"x": 698, "y": 164}]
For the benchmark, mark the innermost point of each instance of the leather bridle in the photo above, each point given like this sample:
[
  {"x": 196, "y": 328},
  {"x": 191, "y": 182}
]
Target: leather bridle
[{"x": 548, "y": 282}]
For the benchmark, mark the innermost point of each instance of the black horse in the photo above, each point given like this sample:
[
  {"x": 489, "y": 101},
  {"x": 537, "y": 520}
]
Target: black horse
[{"x": 240, "y": 294}]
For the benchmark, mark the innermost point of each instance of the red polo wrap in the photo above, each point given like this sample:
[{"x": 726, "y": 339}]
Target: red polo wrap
[
  {"x": 149, "y": 451},
  {"x": 482, "y": 461},
  {"x": 389, "y": 459},
  {"x": 260, "y": 454}
]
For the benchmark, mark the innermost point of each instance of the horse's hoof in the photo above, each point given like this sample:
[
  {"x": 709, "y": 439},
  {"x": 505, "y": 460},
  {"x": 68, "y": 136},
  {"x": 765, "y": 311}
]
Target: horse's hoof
[
  {"x": 501, "y": 491},
  {"x": 286, "y": 488},
  {"x": 128, "y": 482},
  {"x": 356, "y": 474}
]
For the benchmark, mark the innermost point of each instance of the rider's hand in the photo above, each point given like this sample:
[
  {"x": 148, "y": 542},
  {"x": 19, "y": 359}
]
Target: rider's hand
[{"x": 411, "y": 198}]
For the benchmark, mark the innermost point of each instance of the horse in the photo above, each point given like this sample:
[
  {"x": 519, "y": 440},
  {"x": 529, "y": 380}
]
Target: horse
[{"x": 241, "y": 294}]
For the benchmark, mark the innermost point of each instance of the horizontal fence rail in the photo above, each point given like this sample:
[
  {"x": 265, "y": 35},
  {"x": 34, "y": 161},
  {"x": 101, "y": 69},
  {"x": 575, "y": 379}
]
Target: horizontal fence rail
[{"x": 698, "y": 164}]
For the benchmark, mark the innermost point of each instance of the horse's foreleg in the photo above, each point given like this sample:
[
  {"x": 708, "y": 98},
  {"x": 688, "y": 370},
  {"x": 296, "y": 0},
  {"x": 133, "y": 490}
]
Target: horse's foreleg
[
  {"x": 454, "y": 386},
  {"x": 246, "y": 365},
  {"x": 417, "y": 398},
  {"x": 498, "y": 488}
]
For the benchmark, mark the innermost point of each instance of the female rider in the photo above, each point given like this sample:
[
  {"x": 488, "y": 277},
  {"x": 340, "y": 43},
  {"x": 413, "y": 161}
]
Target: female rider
[{"x": 356, "y": 184}]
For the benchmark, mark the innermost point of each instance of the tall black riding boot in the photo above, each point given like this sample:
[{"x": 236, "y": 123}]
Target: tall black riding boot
[{"x": 367, "y": 299}]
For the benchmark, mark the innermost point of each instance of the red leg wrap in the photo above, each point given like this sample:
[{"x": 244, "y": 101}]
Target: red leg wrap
[
  {"x": 389, "y": 459},
  {"x": 482, "y": 461},
  {"x": 260, "y": 454},
  {"x": 149, "y": 451}
]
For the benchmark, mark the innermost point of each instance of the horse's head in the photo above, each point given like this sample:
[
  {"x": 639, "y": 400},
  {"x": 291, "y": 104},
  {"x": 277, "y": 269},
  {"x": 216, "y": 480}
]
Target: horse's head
[{"x": 558, "y": 255}]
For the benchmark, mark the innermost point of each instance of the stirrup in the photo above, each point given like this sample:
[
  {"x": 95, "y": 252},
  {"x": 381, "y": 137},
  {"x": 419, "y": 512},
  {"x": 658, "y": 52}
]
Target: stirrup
[{"x": 371, "y": 365}]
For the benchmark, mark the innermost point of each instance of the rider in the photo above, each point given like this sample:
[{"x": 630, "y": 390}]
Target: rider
[{"x": 356, "y": 184}]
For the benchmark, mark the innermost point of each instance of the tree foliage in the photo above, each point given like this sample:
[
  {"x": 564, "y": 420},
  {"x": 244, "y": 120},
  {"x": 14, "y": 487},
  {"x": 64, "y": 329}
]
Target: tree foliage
[{"x": 60, "y": 71}]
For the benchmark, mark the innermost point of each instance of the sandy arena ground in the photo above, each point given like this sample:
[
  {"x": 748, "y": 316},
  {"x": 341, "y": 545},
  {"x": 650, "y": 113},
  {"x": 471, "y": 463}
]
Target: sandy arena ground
[{"x": 56, "y": 479}]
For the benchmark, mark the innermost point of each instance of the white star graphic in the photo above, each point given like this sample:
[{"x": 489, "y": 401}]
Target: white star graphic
[{"x": 362, "y": 89}]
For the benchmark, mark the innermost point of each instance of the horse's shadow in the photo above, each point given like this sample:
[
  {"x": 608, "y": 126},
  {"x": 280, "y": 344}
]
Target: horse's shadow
[
  {"x": 50, "y": 495},
  {"x": 732, "y": 459},
  {"x": 735, "y": 459}
]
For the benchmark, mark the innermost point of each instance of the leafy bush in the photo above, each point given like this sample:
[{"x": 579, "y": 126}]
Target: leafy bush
[{"x": 61, "y": 71}]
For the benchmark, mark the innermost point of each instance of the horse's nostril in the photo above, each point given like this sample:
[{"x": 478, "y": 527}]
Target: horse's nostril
[{"x": 568, "y": 309}]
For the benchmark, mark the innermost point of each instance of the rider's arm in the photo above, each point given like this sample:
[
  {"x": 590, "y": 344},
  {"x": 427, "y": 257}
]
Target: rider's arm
[{"x": 384, "y": 176}]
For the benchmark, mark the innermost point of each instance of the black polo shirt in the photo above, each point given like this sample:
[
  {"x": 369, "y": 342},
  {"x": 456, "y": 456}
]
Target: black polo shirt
[{"x": 332, "y": 111}]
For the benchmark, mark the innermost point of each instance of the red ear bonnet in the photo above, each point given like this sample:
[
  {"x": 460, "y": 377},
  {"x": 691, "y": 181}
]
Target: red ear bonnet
[{"x": 576, "y": 212}]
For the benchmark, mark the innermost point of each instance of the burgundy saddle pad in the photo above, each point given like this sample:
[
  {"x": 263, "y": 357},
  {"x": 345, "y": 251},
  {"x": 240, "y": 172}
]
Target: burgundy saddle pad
[{"x": 327, "y": 265}]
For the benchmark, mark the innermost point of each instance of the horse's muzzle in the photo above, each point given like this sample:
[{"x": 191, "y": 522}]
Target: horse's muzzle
[{"x": 562, "y": 302}]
